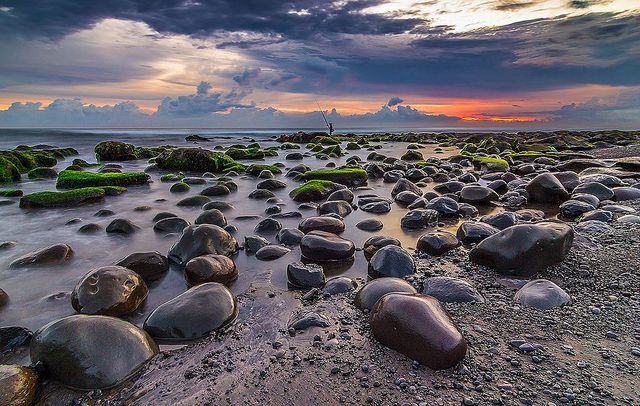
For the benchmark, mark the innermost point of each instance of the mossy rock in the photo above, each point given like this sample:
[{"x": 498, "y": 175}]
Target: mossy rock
[
  {"x": 351, "y": 146},
  {"x": 11, "y": 193},
  {"x": 195, "y": 159},
  {"x": 83, "y": 164},
  {"x": 314, "y": 190},
  {"x": 73, "y": 168},
  {"x": 42, "y": 173},
  {"x": 249, "y": 153},
  {"x": 114, "y": 190},
  {"x": 69, "y": 198},
  {"x": 76, "y": 179},
  {"x": 171, "y": 177},
  {"x": 350, "y": 176},
  {"x": 333, "y": 151},
  {"x": 327, "y": 140},
  {"x": 287, "y": 145},
  {"x": 179, "y": 187},
  {"x": 490, "y": 161},
  {"x": 149, "y": 152},
  {"x": 8, "y": 171},
  {"x": 255, "y": 169},
  {"x": 115, "y": 151}
]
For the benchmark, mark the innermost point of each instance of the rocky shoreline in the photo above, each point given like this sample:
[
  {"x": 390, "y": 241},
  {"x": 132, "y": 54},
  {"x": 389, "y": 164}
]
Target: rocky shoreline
[{"x": 521, "y": 285}]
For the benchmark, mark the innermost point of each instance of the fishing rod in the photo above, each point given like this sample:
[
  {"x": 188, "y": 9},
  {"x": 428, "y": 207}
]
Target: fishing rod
[{"x": 323, "y": 116}]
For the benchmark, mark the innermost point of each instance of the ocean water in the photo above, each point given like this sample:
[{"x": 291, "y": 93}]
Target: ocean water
[{"x": 39, "y": 295}]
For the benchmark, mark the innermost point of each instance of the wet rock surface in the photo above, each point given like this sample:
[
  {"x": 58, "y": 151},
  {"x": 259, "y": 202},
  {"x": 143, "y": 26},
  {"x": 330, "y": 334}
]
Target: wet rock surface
[
  {"x": 210, "y": 268},
  {"x": 73, "y": 350},
  {"x": 193, "y": 314}
]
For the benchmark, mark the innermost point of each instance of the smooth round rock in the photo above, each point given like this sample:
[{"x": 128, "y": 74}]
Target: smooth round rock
[
  {"x": 344, "y": 194},
  {"x": 451, "y": 290},
  {"x": 370, "y": 225},
  {"x": 500, "y": 220},
  {"x": 372, "y": 291},
  {"x": 109, "y": 291},
  {"x": 378, "y": 207},
  {"x": 405, "y": 185},
  {"x": 193, "y": 201},
  {"x": 572, "y": 209},
  {"x": 525, "y": 248},
  {"x": 202, "y": 239},
  {"x": 594, "y": 188},
  {"x": 391, "y": 260},
  {"x": 418, "y": 327},
  {"x": 446, "y": 206},
  {"x": 170, "y": 225},
  {"x": 91, "y": 352},
  {"x": 546, "y": 188},
  {"x": 210, "y": 268},
  {"x": 373, "y": 244},
  {"x": 289, "y": 236},
  {"x": 215, "y": 190},
  {"x": 339, "y": 207},
  {"x": 271, "y": 252},
  {"x": 211, "y": 216},
  {"x": 305, "y": 276},
  {"x": 339, "y": 285},
  {"x": 322, "y": 223},
  {"x": 542, "y": 294},
  {"x": 419, "y": 218},
  {"x": 122, "y": 226},
  {"x": 18, "y": 385},
  {"x": 437, "y": 243},
  {"x": 478, "y": 195},
  {"x": 149, "y": 265},
  {"x": 252, "y": 243},
  {"x": 216, "y": 204},
  {"x": 52, "y": 255},
  {"x": 626, "y": 193},
  {"x": 472, "y": 232},
  {"x": 323, "y": 246},
  {"x": 195, "y": 313}
]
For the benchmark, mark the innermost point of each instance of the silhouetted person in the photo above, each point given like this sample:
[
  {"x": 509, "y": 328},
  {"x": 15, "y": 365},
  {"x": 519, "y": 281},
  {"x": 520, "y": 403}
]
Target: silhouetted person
[{"x": 330, "y": 128}]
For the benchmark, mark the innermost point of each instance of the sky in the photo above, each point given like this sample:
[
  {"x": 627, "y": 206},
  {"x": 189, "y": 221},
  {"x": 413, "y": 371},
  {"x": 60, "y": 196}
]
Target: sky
[{"x": 367, "y": 63}]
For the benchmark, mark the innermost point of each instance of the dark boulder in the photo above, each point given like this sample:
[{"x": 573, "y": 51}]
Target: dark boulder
[
  {"x": 322, "y": 223},
  {"x": 211, "y": 216},
  {"x": 437, "y": 243},
  {"x": 324, "y": 246},
  {"x": 420, "y": 328},
  {"x": 52, "y": 255},
  {"x": 195, "y": 313},
  {"x": 210, "y": 268},
  {"x": 451, "y": 290},
  {"x": 305, "y": 276},
  {"x": 525, "y": 248},
  {"x": 170, "y": 225},
  {"x": 472, "y": 232},
  {"x": 202, "y": 239},
  {"x": 80, "y": 350},
  {"x": 419, "y": 218},
  {"x": 546, "y": 188},
  {"x": 372, "y": 291},
  {"x": 542, "y": 294},
  {"x": 478, "y": 195},
  {"x": 391, "y": 260},
  {"x": 271, "y": 252},
  {"x": 149, "y": 265}
]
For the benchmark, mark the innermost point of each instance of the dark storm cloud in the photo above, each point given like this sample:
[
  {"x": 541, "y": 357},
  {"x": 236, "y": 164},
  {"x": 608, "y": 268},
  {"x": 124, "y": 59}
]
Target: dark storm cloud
[
  {"x": 394, "y": 101},
  {"x": 586, "y": 3},
  {"x": 298, "y": 19}
]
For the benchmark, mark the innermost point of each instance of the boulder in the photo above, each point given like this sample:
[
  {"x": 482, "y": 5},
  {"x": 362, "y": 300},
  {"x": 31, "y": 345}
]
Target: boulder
[
  {"x": 322, "y": 223},
  {"x": 202, "y": 239},
  {"x": 370, "y": 225},
  {"x": 472, "y": 232},
  {"x": 252, "y": 243},
  {"x": 170, "y": 225},
  {"x": 149, "y": 265},
  {"x": 444, "y": 205},
  {"x": 373, "y": 290},
  {"x": 122, "y": 226},
  {"x": 324, "y": 246},
  {"x": 271, "y": 252},
  {"x": 210, "y": 268},
  {"x": 479, "y": 195},
  {"x": 305, "y": 276},
  {"x": 525, "y": 248},
  {"x": 81, "y": 351},
  {"x": 52, "y": 255},
  {"x": 451, "y": 290},
  {"x": 373, "y": 244},
  {"x": 542, "y": 294},
  {"x": 339, "y": 285},
  {"x": 211, "y": 216},
  {"x": 195, "y": 313},
  {"x": 109, "y": 291},
  {"x": 594, "y": 188},
  {"x": 405, "y": 185},
  {"x": 437, "y": 243},
  {"x": 546, "y": 188},
  {"x": 391, "y": 260},
  {"x": 339, "y": 207},
  {"x": 419, "y": 218},
  {"x": 289, "y": 236},
  {"x": 420, "y": 328}
]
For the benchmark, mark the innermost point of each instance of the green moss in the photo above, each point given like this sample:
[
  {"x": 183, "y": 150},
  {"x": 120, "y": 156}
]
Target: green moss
[
  {"x": 350, "y": 176},
  {"x": 115, "y": 151},
  {"x": 424, "y": 163},
  {"x": 62, "y": 199},
  {"x": 287, "y": 145},
  {"x": 333, "y": 151},
  {"x": 491, "y": 160},
  {"x": 327, "y": 140},
  {"x": 195, "y": 159},
  {"x": 10, "y": 193},
  {"x": 8, "y": 171},
  {"x": 352, "y": 146},
  {"x": 249, "y": 153},
  {"x": 42, "y": 173},
  {"x": 149, "y": 152},
  {"x": 236, "y": 168},
  {"x": 256, "y": 169},
  {"x": 179, "y": 187},
  {"x": 114, "y": 190},
  {"x": 82, "y": 163},
  {"x": 469, "y": 147},
  {"x": 314, "y": 190},
  {"x": 171, "y": 177},
  {"x": 76, "y": 179}
]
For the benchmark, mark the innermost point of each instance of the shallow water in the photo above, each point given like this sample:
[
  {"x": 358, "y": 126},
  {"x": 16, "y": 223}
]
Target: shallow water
[{"x": 39, "y": 295}]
